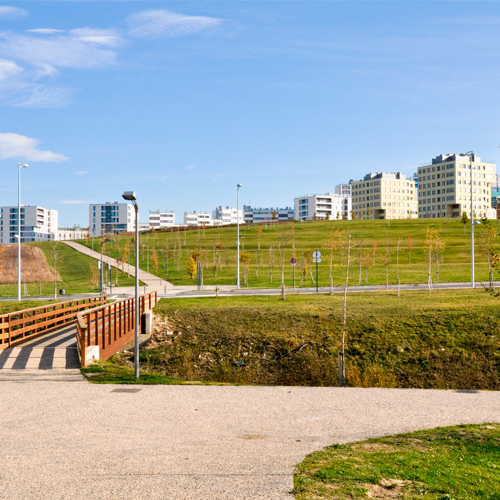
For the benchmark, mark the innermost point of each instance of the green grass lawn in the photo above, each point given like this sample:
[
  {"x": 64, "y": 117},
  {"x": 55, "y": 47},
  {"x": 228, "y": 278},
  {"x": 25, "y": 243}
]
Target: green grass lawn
[
  {"x": 449, "y": 463},
  {"x": 8, "y": 307},
  {"x": 73, "y": 269},
  {"x": 438, "y": 339},
  {"x": 169, "y": 252}
]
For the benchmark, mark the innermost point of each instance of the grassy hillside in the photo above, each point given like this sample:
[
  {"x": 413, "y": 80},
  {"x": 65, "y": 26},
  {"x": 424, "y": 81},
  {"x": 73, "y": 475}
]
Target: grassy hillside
[
  {"x": 265, "y": 246},
  {"x": 437, "y": 339},
  {"x": 73, "y": 270}
]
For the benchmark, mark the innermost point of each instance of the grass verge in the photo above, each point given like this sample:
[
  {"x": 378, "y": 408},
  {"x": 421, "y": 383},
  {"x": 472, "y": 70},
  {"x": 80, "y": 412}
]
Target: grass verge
[
  {"x": 449, "y": 463},
  {"x": 441, "y": 339},
  {"x": 13, "y": 306}
]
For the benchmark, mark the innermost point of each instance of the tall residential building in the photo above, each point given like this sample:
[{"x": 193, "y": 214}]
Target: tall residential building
[
  {"x": 445, "y": 187},
  {"x": 37, "y": 224},
  {"x": 159, "y": 219},
  {"x": 384, "y": 195},
  {"x": 323, "y": 206},
  {"x": 111, "y": 218},
  {"x": 254, "y": 215},
  {"x": 227, "y": 215}
]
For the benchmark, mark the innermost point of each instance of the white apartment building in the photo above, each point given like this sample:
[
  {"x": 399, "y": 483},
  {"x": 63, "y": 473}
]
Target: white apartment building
[
  {"x": 159, "y": 219},
  {"x": 384, "y": 195},
  {"x": 323, "y": 206},
  {"x": 255, "y": 215},
  {"x": 344, "y": 189},
  {"x": 72, "y": 233},
  {"x": 111, "y": 218},
  {"x": 227, "y": 215},
  {"x": 199, "y": 219},
  {"x": 37, "y": 224},
  {"x": 445, "y": 187}
]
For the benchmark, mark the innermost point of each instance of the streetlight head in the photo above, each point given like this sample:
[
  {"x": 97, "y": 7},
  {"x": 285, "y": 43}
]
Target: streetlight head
[
  {"x": 129, "y": 195},
  {"x": 22, "y": 165},
  {"x": 238, "y": 185}
]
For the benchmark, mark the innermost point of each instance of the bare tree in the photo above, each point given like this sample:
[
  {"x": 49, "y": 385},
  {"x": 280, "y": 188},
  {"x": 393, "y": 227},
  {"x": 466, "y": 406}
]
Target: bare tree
[
  {"x": 487, "y": 233},
  {"x": 400, "y": 239},
  {"x": 344, "y": 321},
  {"x": 387, "y": 259},
  {"x": 55, "y": 253}
]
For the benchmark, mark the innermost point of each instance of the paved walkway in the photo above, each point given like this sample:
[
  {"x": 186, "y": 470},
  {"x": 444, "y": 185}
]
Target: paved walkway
[
  {"x": 150, "y": 280},
  {"x": 85, "y": 441}
]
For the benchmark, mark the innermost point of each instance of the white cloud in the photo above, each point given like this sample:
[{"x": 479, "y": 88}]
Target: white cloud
[
  {"x": 81, "y": 172},
  {"x": 159, "y": 178},
  {"x": 107, "y": 38},
  {"x": 7, "y": 12},
  {"x": 8, "y": 69},
  {"x": 20, "y": 146},
  {"x": 190, "y": 167},
  {"x": 163, "y": 23},
  {"x": 45, "y": 31},
  {"x": 41, "y": 96},
  {"x": 74, "y": 202}
]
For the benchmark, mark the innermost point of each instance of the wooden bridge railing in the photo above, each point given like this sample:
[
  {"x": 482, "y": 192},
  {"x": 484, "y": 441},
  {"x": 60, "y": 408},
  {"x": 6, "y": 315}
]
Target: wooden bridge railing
[
  {"x": 110, "y": 327},
  {"x": 18, "y": 326}
]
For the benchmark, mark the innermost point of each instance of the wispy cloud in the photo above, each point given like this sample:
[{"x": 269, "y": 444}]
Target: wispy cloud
[
  {"x": 190, "y": 167},
  {"x": 20, "y": 146},
  {"x": 163, "y": 23},
  {"x": 8, "y": 69},
  {"x": 159, "y": 178},
  {"x": 74, "y": 202},
  {"x": 81, "y": 172},
  {"x": 8, "y": 12}
]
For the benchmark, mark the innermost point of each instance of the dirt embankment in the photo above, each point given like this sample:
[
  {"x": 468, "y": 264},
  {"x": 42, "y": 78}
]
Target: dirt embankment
[{"x": 34, "y": 266}]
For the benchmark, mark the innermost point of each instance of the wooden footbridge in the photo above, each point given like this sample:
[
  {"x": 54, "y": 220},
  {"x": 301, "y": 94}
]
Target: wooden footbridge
[{"x": 70, "y": 334}]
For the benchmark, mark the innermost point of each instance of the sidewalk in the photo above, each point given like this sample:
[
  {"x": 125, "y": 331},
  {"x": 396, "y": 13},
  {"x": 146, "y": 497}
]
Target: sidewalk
[{"x": 151, "y": 281}]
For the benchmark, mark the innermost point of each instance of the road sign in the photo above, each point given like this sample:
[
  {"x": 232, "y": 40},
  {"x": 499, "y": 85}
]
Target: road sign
[
  {"x": 316, "y": 260},
  {"x": 316, "y": 254},
  {"x": 293, "y": 260}
]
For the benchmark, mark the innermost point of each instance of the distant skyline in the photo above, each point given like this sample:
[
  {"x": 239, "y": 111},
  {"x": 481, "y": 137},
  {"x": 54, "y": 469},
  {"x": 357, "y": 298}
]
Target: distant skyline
[{"x": 181, "y": 101}]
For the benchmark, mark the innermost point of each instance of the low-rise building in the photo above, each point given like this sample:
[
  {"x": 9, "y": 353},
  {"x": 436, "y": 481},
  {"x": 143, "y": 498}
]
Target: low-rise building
[
  {"x": 227, "y": 215},
  {"x": 199, "y": 219},
  {"x": 384, "y": 195},
  {"x": 323, "y": 206},
  {"x": 37, "y": 224},
  {"x": 254, "y": 215},
  {"x": 159, "y": 219},
  {"x": 72, "y": 233},
  {"x": 447, "y": 184},
  {"x": 344, "y": 189}
]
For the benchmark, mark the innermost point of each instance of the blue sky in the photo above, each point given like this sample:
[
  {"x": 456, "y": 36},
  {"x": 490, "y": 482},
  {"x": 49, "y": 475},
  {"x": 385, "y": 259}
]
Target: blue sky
[{"x": 181, "y": 101}]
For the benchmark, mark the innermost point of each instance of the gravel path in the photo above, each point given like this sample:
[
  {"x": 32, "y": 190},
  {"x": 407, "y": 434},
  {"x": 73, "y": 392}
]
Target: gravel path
[{"x": 61, "y": 440}]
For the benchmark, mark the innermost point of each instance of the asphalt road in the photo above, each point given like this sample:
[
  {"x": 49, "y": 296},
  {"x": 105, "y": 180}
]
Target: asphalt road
[{"x": 63, "y": 440}]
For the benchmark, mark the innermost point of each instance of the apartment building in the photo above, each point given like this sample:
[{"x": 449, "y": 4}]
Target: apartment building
[
  {"x": 72, "y": 233},
  {"x": 447, "y": 184},
  {"x": 199, "y": 219},
  {"x": 159, "y": 219},
  {"x": 37, "y": 224},
  {"x": 384, "y": 195},
  {"x": 111, "y": 218},
  {"x": 227, "y": 215},
  {"x": 323, "y": 206},
  {"x": 344, "y": 189},
  {"x": 254, "y": 215}
]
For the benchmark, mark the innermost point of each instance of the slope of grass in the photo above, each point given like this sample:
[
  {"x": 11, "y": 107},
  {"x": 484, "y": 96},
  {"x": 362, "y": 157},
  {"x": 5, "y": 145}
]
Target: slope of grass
[
  {"x": 170, "y": 251},
  {"x": 8, "y": 307},
  {"x": 438, "y": 339},
  {"x": 73, "y": 269},
  {"x": 439, "y": 464}
]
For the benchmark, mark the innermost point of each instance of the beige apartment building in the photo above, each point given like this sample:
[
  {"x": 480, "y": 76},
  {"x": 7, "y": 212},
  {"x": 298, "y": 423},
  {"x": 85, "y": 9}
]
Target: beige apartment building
[
  {"x": 445, "y": 187},
  {"x": 384, "y": 195}
]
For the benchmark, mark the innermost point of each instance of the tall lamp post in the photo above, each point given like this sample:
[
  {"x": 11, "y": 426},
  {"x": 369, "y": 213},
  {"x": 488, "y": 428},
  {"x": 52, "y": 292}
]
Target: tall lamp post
[
  {"x": 238, "y": 236},
  {"x": 470, "y": 154},
  {"x": 19, "y": 166},
  {"x": 131, "y": 196},
  {"x": 102, "y": 264}
]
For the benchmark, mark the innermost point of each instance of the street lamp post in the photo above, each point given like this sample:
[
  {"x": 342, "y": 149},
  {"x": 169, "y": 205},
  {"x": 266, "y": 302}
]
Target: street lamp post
[
  {"x": 238, "y": 236},
  {"x": 19, "y": 167},
  {"x": 102, "y": 263},
  {"x": 470, "y": 154},
  {"x": 131, "y": 196}
]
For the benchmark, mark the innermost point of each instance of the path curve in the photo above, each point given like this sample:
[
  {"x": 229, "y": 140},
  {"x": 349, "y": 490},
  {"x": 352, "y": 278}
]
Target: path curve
[
  {"x": 149, "y": 279},
  {"x": 84, "y": 441}
]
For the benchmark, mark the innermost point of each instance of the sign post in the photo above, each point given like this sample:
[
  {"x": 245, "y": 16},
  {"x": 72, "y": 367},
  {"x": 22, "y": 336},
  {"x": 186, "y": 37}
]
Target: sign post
[
  {"x": 293, "y": 263},
  {"x": 317, "y": 260}
]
